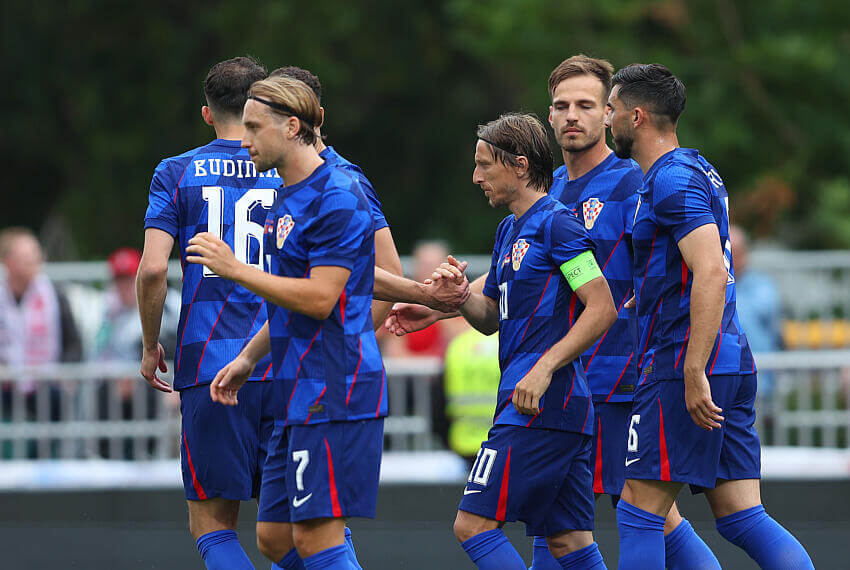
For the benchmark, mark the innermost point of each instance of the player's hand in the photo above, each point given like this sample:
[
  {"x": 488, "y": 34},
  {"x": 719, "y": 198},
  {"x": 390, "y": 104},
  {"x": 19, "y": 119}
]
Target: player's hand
[
  {"x": 213, "y": 253},
  {"x": 702, "y": 408},
  {"x": 530, "y": 389},
  {"x": 151, "y": 360},
  {"x": 448, "y": 287},
  {"x": 630, "y": 304},
  {"x": 229, "y": 379},
  {"x": 407, "y": 318}
]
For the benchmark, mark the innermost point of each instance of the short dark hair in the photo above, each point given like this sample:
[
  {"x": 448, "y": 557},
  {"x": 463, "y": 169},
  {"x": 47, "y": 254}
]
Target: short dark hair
[
  {"x": 654, "y": 85},
  {"x": 582, "y": 65},
  {"x": 300, "y": 74},
  {"x": 521, "y": 134},
  {"x": 226, "y": 85}
]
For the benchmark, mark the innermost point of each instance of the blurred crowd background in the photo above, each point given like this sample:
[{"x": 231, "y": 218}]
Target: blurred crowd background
[{"x": 98, "y": 92}]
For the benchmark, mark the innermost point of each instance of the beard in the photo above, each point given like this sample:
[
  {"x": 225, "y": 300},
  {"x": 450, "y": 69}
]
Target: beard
[
  {"x": 622, "y": 145},
  {"x": 580, "y": 143}
]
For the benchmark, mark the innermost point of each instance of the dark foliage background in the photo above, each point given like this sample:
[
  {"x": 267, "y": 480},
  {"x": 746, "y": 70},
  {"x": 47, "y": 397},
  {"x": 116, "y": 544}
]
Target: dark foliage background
[{"x": 96, "y": 92}]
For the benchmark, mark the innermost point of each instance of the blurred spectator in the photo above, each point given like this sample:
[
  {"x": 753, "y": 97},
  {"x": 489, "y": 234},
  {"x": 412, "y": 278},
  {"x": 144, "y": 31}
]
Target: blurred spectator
[
  {"x": 119, "y": 339},
  {"x": 471, "y": 380},
  {"x": 758, "y": 304},
  {"x": 36, "y": 325},
  {"x": 432, "y": 340}
]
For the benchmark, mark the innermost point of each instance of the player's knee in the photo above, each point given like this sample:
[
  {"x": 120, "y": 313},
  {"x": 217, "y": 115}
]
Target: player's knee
[
  {"x": 274, "y": 540},
  {"x": 462, "y": 528},
  {"x": 466, "y": 525}
]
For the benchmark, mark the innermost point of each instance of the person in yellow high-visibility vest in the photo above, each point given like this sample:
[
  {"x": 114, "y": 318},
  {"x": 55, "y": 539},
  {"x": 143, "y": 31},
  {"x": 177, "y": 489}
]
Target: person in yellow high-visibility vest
[{"x": 472, "y": 373}]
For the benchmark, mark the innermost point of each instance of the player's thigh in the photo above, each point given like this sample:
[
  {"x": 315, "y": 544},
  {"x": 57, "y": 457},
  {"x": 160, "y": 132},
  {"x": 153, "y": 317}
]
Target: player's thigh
[
  {"x": 740, "y": 455},
  {"x": 333, "y": 469},
  {"x": 663, "y": 442},
  {"x": 220, "y": 445},
  {"x": 211, "y": 515},
  {"x": 572, "y": 509},
  {"x": 608, "y": 454},
  {"x": 730, "y": 497},
  {"x": 652, "y": 496},
  {"x": 273, "y": 501},
  {"x": 517, "y": 473}
]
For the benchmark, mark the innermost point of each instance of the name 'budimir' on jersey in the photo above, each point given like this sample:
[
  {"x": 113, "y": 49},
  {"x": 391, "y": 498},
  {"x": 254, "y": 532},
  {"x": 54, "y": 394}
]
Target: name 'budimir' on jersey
[{"x": 230, "y": 168}]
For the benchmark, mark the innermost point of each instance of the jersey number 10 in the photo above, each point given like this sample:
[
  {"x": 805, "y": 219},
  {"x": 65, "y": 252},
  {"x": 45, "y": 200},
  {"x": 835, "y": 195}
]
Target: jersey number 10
[{"x": 243, "y": 227}]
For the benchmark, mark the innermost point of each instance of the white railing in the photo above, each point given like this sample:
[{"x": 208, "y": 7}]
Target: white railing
[{"x": 104, "y": 410}]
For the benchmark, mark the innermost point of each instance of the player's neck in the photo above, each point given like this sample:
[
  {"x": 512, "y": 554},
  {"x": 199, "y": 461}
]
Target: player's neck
[
  {"x": 525, "y": 198},
  {"x": 656, "y": 145},
  {"x": 230, "y": 131},
  {"x": 300, "y": 163},
  {"x": 581, "y": 162}
]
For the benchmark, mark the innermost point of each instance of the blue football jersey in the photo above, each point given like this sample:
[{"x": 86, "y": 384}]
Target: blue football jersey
[
  {"x": 536, "y": 309},
  {"x": 332, "y": 369},
  {"x": 604, "y": 199},
  {"x": 333, "y": 158},
  {"x": 213, "y": 188},
  {"x": 681, "y": 192}
]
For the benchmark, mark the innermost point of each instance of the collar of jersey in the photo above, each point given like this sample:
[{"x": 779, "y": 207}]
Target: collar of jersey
[
  {"x": 592, "y": 172},
  {"x": 226, "y": 142},
  {"x": 312, "y": 176},
  {"x": 661, "y": 161}
]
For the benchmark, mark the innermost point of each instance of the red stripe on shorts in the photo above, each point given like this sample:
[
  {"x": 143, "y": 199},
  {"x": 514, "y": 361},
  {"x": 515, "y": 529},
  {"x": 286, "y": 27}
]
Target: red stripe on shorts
[
  {"x": 662, "y": 444},
  {"x": 195, "y": 483},
  {"x": 335, "y": 508},
  {"x": 502, "y": 509}
]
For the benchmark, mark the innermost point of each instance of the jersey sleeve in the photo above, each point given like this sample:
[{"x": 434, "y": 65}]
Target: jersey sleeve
[
  {"x": 162, "y": 201},
  {"x": 567, "y": 238},
  {"x": 337, "y": 233},
  {"x": 374, "y": 204},
  {"x": 491, "y": 285},
  {"x": 682, "y": 201}
]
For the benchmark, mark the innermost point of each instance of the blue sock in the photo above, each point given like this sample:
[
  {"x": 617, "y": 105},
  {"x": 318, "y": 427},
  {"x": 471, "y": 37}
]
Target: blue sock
[
  {"x": 641, "y": 538},
  {"x": 352, "y": 555},
  {"x": 492, "y": 550},
  {"x": 221, "y": 551},
  {"x": 684, "y": 550},
  {"x": 764, "y": 540},
  {"x": 542, "y": 559},
  {"x": 587, "y": 558},
  {"x": 335, "y": 558},
  {"x": 289, "y": 562}
]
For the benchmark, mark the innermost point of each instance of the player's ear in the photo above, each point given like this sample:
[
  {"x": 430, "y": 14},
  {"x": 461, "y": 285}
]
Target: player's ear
[
  {"x": 640, "y": 116},
  {"x": 551, "y": 109},
  {"x": 206, "y": 113},
  {"x": 321, "y": 117},
  {"x": 522, "y": 168}
]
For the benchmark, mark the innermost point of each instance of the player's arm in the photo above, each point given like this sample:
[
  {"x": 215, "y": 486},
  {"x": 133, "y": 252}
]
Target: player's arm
[
  {"x": 703, "y": 255},
  {"x": 151, "y": 288},
  {"x": 406, "y": 318},
  {"x": 586, "y": 279},
  {"x": 229, "y": 379},
  {"x": 314, "y": 296},
  {"x": 443, "y": 295},
  {"x": 386, "y": 259}
]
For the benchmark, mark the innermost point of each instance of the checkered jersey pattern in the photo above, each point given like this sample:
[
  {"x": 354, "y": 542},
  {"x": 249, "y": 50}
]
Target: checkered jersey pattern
[
  {"x": 335, "y": 159},
  {"x": 681, "y": 192},
  {"x": 331, "y": 369},
  {"x": 213, "y": 188},
  {"x": 605, "y": 199},
  {"x": 536, "y": 309}
]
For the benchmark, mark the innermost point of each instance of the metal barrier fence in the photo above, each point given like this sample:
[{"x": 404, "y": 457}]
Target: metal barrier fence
[{"x": 104, "y": 410}]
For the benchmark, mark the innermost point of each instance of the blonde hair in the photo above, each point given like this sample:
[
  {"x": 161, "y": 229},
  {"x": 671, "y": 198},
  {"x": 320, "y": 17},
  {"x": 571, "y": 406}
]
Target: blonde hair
[{"x": 290, "y": 97}]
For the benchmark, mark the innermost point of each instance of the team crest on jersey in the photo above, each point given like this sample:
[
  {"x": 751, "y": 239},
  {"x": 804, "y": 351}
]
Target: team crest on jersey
[
  {"x": 591, "y": 210},
  {"x": 284, "y": 226},
  {"x": 518, "y": 252}
]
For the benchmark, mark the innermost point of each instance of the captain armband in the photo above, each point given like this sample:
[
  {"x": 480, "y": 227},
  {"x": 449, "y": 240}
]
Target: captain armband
[{"x": 581, "y": 269}]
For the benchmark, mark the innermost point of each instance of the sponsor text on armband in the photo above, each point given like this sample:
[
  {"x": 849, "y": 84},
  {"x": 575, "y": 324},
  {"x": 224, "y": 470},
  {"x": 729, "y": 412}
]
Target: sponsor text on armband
[{"x": 581, "y": 269}]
